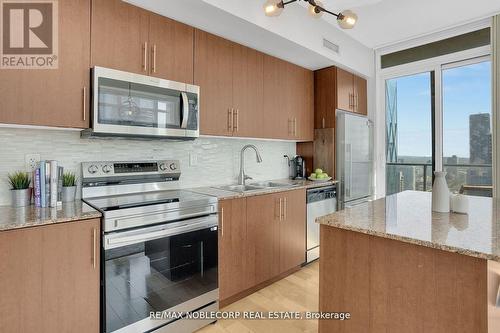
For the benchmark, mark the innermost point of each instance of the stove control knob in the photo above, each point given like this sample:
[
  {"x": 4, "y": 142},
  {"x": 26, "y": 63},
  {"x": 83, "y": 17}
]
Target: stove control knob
[
  {"x": 107, "y": 168},
  {"x": 173, "y": 166},
  {"x": 163, "y": 167},
  {"x": 93, "y": 169}
]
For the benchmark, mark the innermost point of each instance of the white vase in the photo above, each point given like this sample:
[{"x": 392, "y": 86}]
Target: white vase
[{"x": 440, "y": 193}]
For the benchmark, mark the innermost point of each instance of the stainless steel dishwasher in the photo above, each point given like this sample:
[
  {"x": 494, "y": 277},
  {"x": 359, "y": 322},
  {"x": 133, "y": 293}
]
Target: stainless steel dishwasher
[{"x": 320, "y": 202}]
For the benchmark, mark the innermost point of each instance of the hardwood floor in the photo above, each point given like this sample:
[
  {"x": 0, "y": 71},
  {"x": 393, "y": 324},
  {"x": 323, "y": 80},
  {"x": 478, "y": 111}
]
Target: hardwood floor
[{"x": 297, "y": 292}]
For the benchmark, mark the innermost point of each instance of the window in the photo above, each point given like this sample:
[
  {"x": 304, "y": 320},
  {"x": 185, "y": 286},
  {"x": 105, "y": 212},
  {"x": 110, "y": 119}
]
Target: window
[
  {"x": 467, "y": 144},
  {"x": 409, "y": 132},
  {"x": 439, "y": 118}
]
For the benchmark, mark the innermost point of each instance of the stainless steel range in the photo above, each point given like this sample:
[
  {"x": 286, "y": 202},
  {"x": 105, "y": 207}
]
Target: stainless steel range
[{"x": 159, "y": 246}]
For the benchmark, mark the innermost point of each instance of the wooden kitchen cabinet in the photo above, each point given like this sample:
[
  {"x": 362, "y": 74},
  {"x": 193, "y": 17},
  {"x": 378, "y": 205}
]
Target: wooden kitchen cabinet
[
  {"x": 263, "y": 218},
  {"x": 54, "y": 97},
  {"x": 288, "y": 101},
  {"x": 261, "y": 239},
  {"x": 345, "y": 90},
  {"x": 213, "y": 72},
  {"x": 128, "y": 38},
  {"x": 120, "y": 36},
  {"x": 277, "y": 122},
  {"x": 50, "y": 278},
  {"x": 236, "y": 267},
  {"x": 171, "y": 49},
  {"x": 351, "y": 92},
  {"x": 248, "y": 91},
  {"x": 360, "y": 95},
  {"x": 325, "y": 102},
  {"x": 335, "y": 88},
  {"x": 292, "y": 230}
]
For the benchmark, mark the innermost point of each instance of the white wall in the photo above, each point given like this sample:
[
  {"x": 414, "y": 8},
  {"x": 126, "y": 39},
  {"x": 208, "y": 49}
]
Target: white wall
[{"x": 218, "y": 158}]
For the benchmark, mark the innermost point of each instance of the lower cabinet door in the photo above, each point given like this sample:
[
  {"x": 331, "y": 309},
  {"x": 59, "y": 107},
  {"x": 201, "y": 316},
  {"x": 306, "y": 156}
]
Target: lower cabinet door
[
  {"x": 263, "y": 215},
  {"x": 50, "y": 278},
  {"x": 292, "y": 231},
  {"x": 234, "y": 267},
  {"x": 70, "y": 277}
]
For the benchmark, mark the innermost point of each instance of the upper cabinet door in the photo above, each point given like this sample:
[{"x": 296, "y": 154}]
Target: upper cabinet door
[
  {"x": 324, "y": 98},
  {"x": 345, "y": 90},
  {"x": 277, "y": 123},
  {"x": 171, "y": 49},
  {"x": 213, "y": 58},
  {"x": 248, "y": 91},
  {"x": 304, "y": 124},
  {"x": 53, "y": 97},
  {"x": 360, "y": 94},
  {"x": 120, "y": 36}
]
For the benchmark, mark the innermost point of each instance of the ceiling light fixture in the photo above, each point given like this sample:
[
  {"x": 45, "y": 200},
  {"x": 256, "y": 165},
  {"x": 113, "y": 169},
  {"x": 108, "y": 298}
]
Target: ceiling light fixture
[{"x": 346, "y": 19}]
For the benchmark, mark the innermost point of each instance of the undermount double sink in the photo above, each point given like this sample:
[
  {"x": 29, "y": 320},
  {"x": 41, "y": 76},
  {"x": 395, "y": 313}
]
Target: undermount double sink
[{"x": 256, "y": 186}]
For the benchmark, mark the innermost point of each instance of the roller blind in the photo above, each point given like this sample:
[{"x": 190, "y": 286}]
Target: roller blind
[{"x": 454, "y": 44}]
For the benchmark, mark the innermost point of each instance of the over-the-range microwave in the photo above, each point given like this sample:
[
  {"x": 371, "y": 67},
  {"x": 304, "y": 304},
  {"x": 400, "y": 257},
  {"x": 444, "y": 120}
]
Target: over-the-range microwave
[{"x": 133, "y": 105}]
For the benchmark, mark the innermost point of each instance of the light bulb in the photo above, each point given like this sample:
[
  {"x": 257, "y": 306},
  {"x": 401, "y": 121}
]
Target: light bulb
[
  {"x": 273, "y": 7},
  {"x": 314, "y": 11},
  {"x": 347, "y": 19}
]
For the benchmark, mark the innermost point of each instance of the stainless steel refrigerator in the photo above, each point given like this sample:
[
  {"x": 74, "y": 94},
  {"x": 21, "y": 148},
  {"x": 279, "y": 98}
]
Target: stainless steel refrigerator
[{"x": 354, "y": 158}]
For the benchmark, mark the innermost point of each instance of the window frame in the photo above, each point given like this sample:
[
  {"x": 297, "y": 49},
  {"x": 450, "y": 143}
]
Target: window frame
[{"x": 436, "y": 65}]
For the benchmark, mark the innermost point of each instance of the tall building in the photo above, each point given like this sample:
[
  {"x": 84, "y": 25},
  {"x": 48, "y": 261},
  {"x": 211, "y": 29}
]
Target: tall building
[{"x": 480, "y": 147}]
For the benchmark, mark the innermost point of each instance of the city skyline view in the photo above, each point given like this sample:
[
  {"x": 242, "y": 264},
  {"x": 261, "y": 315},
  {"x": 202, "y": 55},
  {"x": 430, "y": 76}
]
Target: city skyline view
[{"x": 466, "y": 91}]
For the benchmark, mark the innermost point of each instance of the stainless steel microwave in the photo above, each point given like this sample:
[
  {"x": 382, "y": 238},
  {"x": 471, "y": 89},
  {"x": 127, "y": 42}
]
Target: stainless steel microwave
[{"x": 133, "y": 105}]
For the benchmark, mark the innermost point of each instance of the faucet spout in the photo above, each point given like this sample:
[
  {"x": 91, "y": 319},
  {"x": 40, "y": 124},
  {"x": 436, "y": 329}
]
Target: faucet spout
[{"x": 242, "y": 176}]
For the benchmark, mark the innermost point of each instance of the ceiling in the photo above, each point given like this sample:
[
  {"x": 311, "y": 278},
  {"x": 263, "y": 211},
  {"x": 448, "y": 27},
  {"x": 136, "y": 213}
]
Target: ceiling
[{"x": 385, "y": 22}]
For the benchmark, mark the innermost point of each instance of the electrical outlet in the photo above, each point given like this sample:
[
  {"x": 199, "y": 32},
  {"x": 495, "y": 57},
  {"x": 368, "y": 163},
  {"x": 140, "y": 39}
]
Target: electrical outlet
[
  {"x": 31, "y": 161},
  {"x": 193, "y": 159}
]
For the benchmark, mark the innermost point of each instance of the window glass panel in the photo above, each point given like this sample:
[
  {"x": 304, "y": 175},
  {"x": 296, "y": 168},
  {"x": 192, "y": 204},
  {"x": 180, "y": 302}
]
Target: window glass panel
[
  {"x": 467, "y": 145},
  {"x": 409, "y": 104}
]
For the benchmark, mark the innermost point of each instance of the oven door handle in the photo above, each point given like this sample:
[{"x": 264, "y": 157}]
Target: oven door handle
[
  {"x": 115, "y": 240},
  {"x": 185, "y": 110}
]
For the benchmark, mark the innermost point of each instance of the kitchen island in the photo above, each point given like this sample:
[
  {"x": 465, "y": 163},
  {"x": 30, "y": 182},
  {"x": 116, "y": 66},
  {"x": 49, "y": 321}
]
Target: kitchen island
[{"x": 396, "y": 266}]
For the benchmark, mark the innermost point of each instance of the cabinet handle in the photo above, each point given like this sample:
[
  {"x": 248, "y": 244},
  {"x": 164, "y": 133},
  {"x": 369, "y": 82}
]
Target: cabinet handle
[
  {"x": 153, "y": 61},
  {"x": 94, "y": 245},
  {"x": 222, "y": 221},
  {"x": 281, "y": 209},
  {"x": 294, "y": 126},
  {"x": 323, "y": 123},
  {"x": 230, "y": 120},
  {"x": 145, "y": 57},
  {"x": 84, "y": 103},
  {"x": 236, "y": 118},
  {"x": 284, "y": 208}
]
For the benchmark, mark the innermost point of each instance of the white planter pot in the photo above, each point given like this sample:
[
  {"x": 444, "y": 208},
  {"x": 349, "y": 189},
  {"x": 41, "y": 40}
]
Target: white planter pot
[
  {"x": 68, "y": 193},
  {"x": 21, "y": 198},
  {"x": 440, "y": 193}
]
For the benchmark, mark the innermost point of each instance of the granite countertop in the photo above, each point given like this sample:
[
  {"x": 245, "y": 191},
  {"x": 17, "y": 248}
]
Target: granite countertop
[
  {"x": 408, "y": 217},
  {"x": 31, "y": 216},
  {"x": 227, "y": 195}
]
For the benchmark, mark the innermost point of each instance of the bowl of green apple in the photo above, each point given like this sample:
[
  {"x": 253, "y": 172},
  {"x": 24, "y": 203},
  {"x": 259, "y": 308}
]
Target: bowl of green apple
[{"x": 319, "y": 176}]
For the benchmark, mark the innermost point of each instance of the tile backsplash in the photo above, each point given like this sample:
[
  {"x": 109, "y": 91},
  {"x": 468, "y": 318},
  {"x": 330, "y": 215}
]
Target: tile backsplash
[{"x": 217, "y": 159}]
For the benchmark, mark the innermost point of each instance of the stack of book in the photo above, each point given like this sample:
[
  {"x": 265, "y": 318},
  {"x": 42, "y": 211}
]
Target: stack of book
[{"x": 47, "y": 184}]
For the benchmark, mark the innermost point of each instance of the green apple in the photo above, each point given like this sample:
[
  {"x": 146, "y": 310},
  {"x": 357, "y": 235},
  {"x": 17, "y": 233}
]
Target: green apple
[
  {"x": 313, "y": 175},
  {"x": 326, "y": 175},
  {"x": 318, "y": 171},
  {"x": 322, "y": 176}
]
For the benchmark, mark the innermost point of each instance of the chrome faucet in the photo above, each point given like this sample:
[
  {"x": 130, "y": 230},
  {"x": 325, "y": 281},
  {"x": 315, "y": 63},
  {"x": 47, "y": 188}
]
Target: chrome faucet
[{"x": 242, "y": 177}]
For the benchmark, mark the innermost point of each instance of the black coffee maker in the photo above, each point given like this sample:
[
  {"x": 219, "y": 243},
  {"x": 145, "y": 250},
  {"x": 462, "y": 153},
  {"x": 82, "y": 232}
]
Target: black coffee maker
[{"x": 299, "y": 167}]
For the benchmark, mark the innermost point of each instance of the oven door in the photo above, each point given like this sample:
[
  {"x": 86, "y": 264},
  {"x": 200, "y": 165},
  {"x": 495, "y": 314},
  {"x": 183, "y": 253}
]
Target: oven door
[
  {"x": 129, "y": 104},
  {"x": 166, "y": 267}
]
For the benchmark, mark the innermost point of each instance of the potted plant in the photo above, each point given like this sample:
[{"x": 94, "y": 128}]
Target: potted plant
[
  {"x": 20, "y": 189},
  {"x": 69, "y": 187}
]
